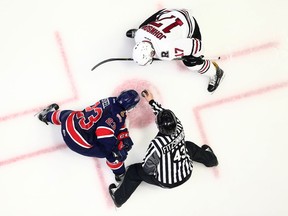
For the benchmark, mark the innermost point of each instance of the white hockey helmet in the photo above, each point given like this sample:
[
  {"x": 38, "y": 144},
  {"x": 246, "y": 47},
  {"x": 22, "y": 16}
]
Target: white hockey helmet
[{"x": 143, "y": 53}]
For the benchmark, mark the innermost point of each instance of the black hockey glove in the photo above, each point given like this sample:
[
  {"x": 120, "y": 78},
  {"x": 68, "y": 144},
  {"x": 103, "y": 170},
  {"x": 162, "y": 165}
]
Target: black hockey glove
[
  {"x": 191, "y": 60},
  {"x": 120, "y": 155},
  {"x": 127, "y": 142}
]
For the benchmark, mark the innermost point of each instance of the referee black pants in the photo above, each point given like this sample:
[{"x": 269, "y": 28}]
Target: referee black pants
[
  {"x": 133, "y": 178},
  {"x": 199, "y": 155},
  {"x": 135, "y": 173}
]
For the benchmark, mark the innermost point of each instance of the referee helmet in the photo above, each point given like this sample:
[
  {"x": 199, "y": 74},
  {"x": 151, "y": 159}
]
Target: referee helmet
[{"x": 166, "y": 122}]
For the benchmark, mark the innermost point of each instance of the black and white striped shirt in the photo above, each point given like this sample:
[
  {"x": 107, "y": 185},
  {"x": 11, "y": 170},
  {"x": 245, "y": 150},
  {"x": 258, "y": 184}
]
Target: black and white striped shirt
[{"x": 167, "y": 157}]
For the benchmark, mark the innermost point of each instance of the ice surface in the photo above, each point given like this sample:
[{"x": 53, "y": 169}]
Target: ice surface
[{"x": 47, "y": 49}]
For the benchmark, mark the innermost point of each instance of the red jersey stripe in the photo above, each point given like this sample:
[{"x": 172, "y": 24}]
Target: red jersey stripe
[
  {"x": 104, "y": 132},
  {"x": 74, "y": 134},
  {"x": 196, "y": 43},
  {"x": 55, "y": 117}
]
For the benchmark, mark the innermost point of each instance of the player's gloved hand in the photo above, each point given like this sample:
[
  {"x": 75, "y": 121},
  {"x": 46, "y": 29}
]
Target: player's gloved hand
[
  {"x": 124, "y": 134},
  {"x": 128, "y": 143},
  {"x": 131, "y": 33},
  {"x": 121, "y": 155},
  {"x": 191, "y": 60}
]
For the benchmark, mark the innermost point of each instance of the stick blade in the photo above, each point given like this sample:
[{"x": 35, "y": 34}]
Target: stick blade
[{"x": 110, "y": 60}]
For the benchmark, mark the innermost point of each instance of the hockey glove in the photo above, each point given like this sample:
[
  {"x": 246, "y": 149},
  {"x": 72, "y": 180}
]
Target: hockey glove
[
  {"x": 124, "y": 134},
  {"x": 120, "y": 153},
  {"x": 127, "y": 142},
  {"x": 191, "y": 60}
]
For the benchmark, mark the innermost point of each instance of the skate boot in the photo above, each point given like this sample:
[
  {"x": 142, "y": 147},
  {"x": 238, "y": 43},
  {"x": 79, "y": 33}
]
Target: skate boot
[
  {"x": 112, "y": 189},
  {"x": 215, "y": 81},
  {"x": 214, "y": 160},
  {"x": 42, "y": 115},
  {"x": 131, "y": 33},
  {"x": 207, "y": 148}
]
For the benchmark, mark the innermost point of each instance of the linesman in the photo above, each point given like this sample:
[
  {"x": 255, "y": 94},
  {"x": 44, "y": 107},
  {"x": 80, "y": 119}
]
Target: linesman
[{"x": 168, "y": 162}]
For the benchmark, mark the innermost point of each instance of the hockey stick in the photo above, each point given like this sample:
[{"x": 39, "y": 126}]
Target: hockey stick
[
  {"x": 116, "y": 59},
  {"x": 131, "y": 59}
]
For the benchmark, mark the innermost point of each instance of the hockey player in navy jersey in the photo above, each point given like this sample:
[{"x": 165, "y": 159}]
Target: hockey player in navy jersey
[
  {"x": 98, "y": 130},
  {"x": 170, "y": 34}
]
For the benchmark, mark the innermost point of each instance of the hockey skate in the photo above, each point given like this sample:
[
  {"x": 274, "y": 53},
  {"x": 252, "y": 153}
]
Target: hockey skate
[
  {"x": 209, "y": 149},
  {"x": 131, "y": 33},
  {"x": 215, "y": 81},
  {"x": 43, "y": 114},
  {"x": 112, "y": 188}
]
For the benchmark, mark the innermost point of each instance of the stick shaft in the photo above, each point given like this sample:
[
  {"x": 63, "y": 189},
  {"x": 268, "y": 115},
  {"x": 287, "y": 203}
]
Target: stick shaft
[
  {"x": 109, "y": 60},
  {"x": 131, "y": 59}
]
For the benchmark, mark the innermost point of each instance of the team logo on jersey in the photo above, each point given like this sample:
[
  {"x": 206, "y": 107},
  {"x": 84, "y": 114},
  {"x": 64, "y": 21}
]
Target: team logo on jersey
[
  {"x": 111, "y": 123},
  {"x": 105, "y": 102},
  {"x": 123, "y": 114}
]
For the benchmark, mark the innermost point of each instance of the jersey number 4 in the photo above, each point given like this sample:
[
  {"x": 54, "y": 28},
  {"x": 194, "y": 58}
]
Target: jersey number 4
[{"x": 180, "y": 154}]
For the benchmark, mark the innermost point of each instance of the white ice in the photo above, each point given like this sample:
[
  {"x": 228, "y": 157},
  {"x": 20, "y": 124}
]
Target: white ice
[{"x": 47, "y": 49}]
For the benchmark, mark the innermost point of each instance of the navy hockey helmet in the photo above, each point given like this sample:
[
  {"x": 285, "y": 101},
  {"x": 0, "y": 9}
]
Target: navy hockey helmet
[
  {"x": 128, "y": 99},
  {"x": 166, "y": 122}
]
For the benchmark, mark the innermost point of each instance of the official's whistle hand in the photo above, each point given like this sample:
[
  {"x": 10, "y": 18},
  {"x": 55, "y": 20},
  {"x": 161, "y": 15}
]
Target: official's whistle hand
[{"x": 147, "y": 95}]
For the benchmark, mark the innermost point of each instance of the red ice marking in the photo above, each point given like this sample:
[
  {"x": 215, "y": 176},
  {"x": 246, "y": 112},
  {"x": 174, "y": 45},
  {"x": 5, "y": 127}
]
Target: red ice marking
[
  {"x": 66, "y": 64},
  {"x": 143, "y": 84},
  {"x": 103, "y": 183},
  {"x": 32, "y": 154},
  {"x": 250, "y": 50},
  {"x": 19, "y": 114},
  {"x": 256, "y": 92},
  {"x": 250, "y": 93},
  {"x": 142, "y": 115},
  {"x": 31, "y": 111},
  {"x": 71, "y": 82},
  {"x": 35, "y": 110}
]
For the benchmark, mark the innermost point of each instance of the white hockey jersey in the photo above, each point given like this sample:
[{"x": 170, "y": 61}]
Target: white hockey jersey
[{"x": 171, "y": 35}]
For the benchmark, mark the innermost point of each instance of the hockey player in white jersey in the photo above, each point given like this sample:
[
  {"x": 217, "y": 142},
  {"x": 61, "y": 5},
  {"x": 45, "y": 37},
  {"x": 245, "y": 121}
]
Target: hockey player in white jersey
[{"x": 172, "y": 34}]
